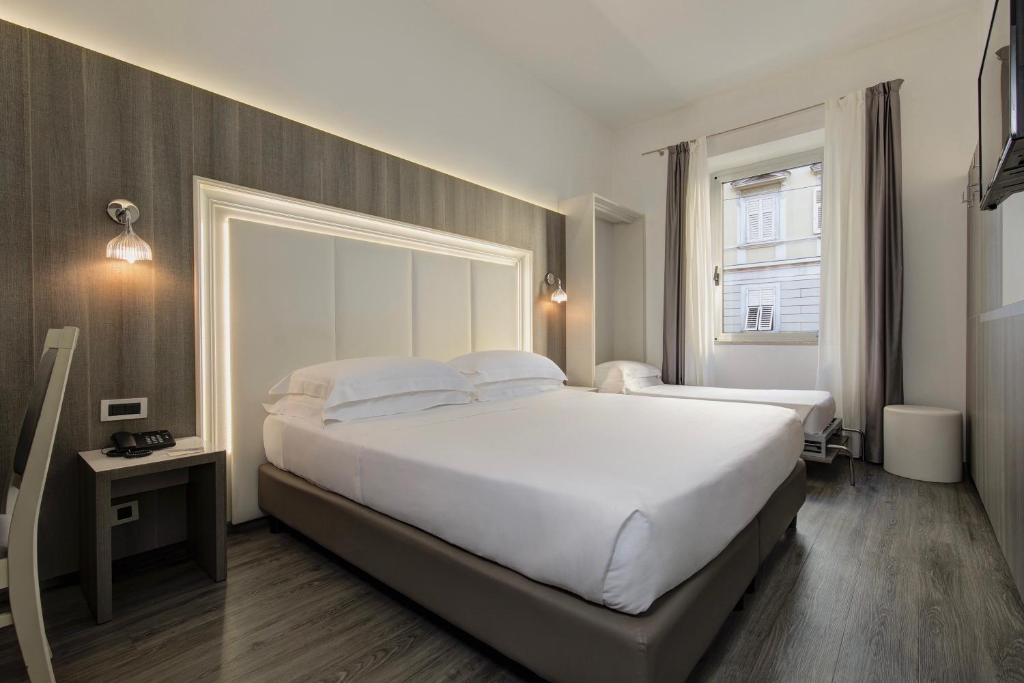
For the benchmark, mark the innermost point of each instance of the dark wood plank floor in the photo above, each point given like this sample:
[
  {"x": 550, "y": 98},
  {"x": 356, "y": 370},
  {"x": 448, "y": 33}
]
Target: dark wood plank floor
[{"x": 893, "y": 580}]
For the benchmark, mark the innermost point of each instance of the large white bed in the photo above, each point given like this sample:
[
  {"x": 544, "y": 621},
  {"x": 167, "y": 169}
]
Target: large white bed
[{"x": 617, "y": 499}]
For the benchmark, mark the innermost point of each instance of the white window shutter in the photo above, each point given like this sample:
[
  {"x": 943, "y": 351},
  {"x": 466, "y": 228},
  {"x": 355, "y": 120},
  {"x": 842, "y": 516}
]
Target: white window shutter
[
  {"x": 753, "y": 207},
  {"x": 760, "y": 308},
  {"x": 817, "y": 209},
  {"x": 753, "y": 314},
  {"x": 761, "y": 216},
  {"x": 768, "y": 221}
]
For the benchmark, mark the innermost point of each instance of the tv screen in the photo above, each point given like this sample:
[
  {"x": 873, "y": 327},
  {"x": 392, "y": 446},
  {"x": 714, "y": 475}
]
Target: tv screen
[
  {"x": 993, "y": 93},
  {"x": 1000, "y": 86}
]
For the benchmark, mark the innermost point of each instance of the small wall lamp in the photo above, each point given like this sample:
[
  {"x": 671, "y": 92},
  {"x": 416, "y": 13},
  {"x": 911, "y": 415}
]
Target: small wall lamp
[
  {"x": 127, "y": 246},
  {"x": 558, "y": 296}
]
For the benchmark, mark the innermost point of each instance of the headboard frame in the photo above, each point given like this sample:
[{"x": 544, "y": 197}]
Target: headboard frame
[{"x": 282, "y": 283}]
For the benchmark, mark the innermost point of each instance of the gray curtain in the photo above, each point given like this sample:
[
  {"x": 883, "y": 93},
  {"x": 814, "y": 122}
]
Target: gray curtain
[
  {"x": 884, "y": 253},
  {"x": 675, "y": 282}
]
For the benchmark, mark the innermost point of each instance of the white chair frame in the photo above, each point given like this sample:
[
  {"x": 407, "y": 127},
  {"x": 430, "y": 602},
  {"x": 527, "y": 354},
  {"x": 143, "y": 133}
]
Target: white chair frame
[{"x": 19, "y": 571}]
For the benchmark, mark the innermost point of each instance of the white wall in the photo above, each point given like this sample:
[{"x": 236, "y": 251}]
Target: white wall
[
  {"x": 939, "y": 64},
  {"x": 605, "y": 284},
  {"x": 391, "y": 74}
]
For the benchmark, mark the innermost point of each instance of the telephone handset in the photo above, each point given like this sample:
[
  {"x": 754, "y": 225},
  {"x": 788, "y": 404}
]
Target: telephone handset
[{"x": 130, "y": 445}]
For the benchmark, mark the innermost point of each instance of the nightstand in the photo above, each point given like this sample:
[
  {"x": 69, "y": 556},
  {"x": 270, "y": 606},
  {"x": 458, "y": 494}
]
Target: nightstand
[{"x": 190, "y": 463}]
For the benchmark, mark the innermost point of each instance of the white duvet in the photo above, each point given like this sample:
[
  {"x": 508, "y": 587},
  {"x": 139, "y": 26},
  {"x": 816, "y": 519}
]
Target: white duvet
[
  {"x": 814, "y": 408},
  {"x": 615, "y": 498}
]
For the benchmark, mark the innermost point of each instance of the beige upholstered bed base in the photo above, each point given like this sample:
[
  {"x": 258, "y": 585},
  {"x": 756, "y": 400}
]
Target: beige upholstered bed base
[{"x": 554, "y": 633}]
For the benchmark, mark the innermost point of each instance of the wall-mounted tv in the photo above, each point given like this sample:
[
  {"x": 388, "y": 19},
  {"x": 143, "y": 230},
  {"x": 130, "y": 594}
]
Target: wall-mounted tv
[{"x": 1000, "y": 107}]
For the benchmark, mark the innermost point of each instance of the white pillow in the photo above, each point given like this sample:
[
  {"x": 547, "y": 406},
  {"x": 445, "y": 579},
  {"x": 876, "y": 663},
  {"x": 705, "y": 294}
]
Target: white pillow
[
  {"x": 358, "y": 379},
  {"x": 308, "y": 407},
  {"x": 514, "y": 388},
  {"x": 297, "y": 405},
  {"x": 612, "y": 377},
  {"x": 499, "y": 366},
  {"x": 633, "y": 384}
]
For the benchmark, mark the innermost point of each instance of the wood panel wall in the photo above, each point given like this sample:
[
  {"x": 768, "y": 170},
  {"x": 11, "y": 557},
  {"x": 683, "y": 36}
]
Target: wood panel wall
[
  {"x": 995, "y": 387},
  {"x": 78, "y": 129}
]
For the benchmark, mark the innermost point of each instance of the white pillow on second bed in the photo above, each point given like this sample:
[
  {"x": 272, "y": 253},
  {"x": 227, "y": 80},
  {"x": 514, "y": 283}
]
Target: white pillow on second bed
[{"x": 623, "y": 376}]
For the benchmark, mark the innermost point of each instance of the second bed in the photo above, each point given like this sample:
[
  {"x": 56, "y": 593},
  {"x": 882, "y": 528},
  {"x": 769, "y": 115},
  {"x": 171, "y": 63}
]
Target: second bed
[{"x": 816, "y": 410}]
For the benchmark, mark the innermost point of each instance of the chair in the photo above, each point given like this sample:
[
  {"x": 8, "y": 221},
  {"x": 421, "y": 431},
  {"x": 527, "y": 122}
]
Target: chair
[{"x": 19, "y": 570}]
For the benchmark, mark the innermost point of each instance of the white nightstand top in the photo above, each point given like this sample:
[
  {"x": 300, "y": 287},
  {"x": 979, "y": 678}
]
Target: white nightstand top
[{"x": 185, "y": 446}]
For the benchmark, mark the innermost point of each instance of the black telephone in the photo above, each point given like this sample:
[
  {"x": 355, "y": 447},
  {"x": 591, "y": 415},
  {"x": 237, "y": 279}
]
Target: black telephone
[{"x": 128, "y": 445}]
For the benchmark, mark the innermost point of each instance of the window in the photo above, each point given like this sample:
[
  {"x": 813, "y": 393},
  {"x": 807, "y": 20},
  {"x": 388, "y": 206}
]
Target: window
[
  {"x": 770, "y": 217},
  {"x": 760, "y": 217},
  {"x": 760, "y": 303}
]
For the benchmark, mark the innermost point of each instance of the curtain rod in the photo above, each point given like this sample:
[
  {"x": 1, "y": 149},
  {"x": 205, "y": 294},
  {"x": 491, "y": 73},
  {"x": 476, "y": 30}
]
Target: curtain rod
[{"x": 661, "y": 150}]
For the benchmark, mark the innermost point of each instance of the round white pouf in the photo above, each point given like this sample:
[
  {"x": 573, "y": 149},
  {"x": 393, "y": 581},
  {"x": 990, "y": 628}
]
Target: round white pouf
[{"x": 923, "y": 443}]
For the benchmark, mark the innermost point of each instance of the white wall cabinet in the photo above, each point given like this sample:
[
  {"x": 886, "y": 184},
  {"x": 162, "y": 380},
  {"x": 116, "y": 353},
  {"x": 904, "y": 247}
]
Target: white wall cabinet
[{"x": 605, "y": 281}]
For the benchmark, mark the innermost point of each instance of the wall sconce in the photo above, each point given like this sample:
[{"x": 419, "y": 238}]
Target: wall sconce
[
  {"x": 127, "y": 246},
  {"x": 558, "y": 296}
]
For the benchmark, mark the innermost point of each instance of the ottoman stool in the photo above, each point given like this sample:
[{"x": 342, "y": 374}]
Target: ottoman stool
[{"x": 923, "y": 443}]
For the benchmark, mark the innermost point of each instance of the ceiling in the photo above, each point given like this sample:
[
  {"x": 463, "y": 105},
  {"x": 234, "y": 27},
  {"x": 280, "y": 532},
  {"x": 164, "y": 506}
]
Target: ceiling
[{"x": 624, "y": 61}]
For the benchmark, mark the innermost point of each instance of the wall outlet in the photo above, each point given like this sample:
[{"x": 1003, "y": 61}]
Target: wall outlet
[
  {"x": 122, "y": 513},
  {"x": 123, "y": 409}
]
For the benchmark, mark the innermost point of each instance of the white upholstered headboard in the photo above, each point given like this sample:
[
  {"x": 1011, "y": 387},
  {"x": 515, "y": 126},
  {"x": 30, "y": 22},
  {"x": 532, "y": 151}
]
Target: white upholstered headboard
[{"x": 282, "y": 283}]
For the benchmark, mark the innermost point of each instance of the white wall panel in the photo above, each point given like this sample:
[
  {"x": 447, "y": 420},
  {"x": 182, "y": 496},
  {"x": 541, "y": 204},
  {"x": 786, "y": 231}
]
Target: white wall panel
[
  {"x": 441, "y": 306},
  {"x": 373, "y": 295},
  {"x": 494, "y": 296},
  {"x": 277, "y": 324}
]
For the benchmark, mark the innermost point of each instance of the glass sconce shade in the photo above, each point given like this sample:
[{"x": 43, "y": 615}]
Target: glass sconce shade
[
  {"x": 127, "y": 246},
  {"x": 558, "y": 296}
]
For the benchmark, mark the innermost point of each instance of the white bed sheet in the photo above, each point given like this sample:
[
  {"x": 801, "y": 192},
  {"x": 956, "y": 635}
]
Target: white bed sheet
[
  {"x": 615, "y": 498},
  {"x": 814, "y": 408}
]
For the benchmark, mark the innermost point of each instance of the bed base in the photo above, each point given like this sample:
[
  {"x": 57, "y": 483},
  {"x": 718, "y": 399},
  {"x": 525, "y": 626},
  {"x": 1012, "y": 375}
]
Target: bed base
[
  {"x": 826, "y": 445},
  {"x": 554, "y": 633},
  {"x": 816, "y": 445}
]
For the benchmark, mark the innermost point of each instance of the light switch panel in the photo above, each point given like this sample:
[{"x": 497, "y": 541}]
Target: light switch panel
[
  {"x": 123, "y": 409},
  {"x": 124, "y": 513}
]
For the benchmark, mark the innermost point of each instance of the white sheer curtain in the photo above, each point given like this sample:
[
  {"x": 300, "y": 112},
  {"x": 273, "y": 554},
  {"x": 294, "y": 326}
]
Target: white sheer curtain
[
  {"x": 700, "y": 255},
  {"x": 841, "y": 343}
]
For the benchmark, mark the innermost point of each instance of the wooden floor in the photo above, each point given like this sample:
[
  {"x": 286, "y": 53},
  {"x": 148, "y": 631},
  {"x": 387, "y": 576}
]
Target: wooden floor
[{"x": 893, "y": 580}]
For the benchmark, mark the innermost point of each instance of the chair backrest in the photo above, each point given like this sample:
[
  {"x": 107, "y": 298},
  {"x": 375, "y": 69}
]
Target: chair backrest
[
  {"x": 38, "y": 430},
  {"x": 35, "y": 407}
]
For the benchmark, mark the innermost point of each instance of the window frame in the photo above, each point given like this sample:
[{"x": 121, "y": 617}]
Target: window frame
[{"x": 718, "y": 291}]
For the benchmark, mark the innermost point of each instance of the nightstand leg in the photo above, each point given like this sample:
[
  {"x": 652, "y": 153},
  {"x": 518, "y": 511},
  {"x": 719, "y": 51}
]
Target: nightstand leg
[
  {"x": 207, "y": 518},
  {"x": 94, "y": 545}
]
